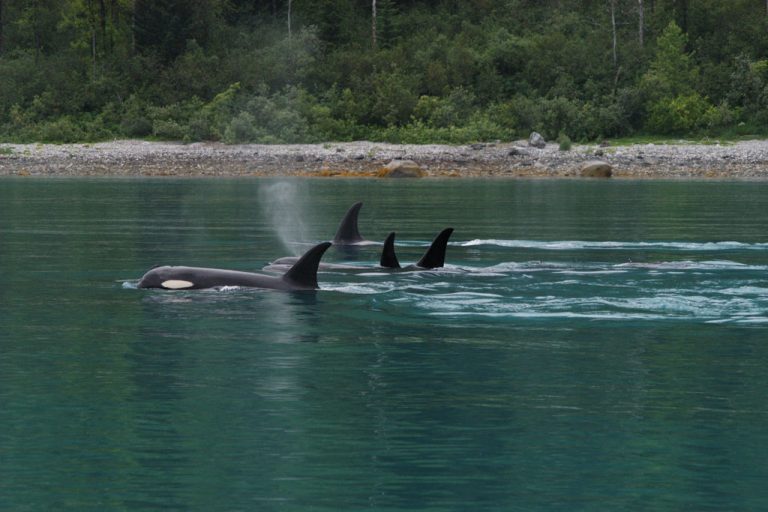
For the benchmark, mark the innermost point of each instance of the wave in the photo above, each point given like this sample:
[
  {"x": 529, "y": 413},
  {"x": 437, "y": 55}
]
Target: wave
[
  {"x": 570, "y": 245},
  {"x": 597, "y": 268}
]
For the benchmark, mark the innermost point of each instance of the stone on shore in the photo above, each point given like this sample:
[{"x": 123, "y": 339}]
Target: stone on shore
[
  {"x": 537, "y": 141},
  {"x": 401, "y": 169},
  {"x": 596, "y": 169}
]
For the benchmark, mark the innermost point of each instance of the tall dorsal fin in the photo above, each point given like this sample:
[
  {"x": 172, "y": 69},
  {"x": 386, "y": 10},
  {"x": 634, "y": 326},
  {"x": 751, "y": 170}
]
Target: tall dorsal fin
[
  {"x": 348, "y": 232},
  {"x": 435, "y": 255},
  {"x": 303, "y": 273},
  {"x": 388, "y": 256}
]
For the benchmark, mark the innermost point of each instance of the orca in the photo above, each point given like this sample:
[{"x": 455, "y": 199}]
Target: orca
[
  {"x": 348, "y": 232},
  {"x": 301, "y": 276},
  {"x": 433, "y": 257}
]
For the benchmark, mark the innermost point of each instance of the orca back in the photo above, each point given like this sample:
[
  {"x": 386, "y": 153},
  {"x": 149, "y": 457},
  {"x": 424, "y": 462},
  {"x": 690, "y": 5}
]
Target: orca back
[
  {"x": 303, "y": 274},
  {"x": 348, "y": 232},
  {"x": 434, "y": 257},
  {"x": 388, "y": 256}
]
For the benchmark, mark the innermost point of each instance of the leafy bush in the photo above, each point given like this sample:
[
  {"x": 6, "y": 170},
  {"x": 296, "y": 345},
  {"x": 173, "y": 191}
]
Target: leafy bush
[
  {"x": 279, "y": 118},
  {"x": 678, "y": 115},
  {"x": 63, "y": 129},
  {"x": 393, "y": 98},
  {"x": 134, "y": 120},
  {"x": 453, "y": 110},
  {"x": 242, "y": 128}
]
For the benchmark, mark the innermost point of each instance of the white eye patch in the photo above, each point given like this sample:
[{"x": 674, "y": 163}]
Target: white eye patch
[{"x": 176, "y": 284}]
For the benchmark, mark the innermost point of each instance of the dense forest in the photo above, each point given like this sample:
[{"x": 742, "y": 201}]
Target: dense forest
[{"x": 397, "y": 70}]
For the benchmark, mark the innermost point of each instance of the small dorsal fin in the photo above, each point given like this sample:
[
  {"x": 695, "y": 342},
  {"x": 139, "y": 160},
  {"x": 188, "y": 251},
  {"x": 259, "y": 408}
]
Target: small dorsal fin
[
  {"x": 348, "y": 232},
  {"x": 388, "y": 256},
  {"x": 304, "y": 272},
  {"x": 435, "y": 255}
]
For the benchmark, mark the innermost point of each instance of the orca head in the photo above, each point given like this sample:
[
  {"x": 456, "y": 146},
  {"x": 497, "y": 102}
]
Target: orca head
[{"x": 160, "y": 277}]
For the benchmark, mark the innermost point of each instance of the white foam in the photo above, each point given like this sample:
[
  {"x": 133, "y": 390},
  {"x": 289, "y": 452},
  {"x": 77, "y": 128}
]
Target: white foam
[{"x": 566, "y": 245}]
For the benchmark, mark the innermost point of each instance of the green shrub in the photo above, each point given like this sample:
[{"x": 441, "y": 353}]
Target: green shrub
[
  {"x": 134, "y": 120},
  {"x": 393, "y": 99},
  {"x": 168, "y": 129},
  {"x": 242, "y": 128},
  {"x": 61, "y": 130},
  {"x": 136, "y": 126},
  {"x": 564, "y": 141},
  {"x": 682, "y": 114}
]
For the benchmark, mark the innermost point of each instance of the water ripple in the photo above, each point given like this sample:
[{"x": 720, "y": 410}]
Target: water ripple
[{"x": 569, "y": 245}]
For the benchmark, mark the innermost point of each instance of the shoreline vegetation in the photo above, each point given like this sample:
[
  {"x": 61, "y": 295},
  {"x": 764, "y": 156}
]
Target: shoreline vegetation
[
  {"x": 396, "y": 71},
  {"x": 745, "y": 160}
]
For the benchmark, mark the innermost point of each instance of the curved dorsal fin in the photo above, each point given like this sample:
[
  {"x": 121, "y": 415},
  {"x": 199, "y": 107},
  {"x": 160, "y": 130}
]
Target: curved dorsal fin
[
  {"x": 388, "y": 256},
  {"x": 303, "y": 273},
  {"x": 348, "y": 232},
  {"x": 435, "y": 255}
]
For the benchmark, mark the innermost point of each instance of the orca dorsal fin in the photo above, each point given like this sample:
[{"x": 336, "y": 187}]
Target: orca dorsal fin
[
  {"x": 348, "y": 232},
  {"x": 303, "y": 273},
  {"x": 435, "y": 255},
  {"x": 388, "y": 256}
]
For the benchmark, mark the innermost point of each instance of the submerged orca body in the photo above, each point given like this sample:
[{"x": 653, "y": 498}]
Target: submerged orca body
[
  {"x": 434, "y": 257},
  {"x": 348, "y": 232},
  {"x": 301, "y": 276}
]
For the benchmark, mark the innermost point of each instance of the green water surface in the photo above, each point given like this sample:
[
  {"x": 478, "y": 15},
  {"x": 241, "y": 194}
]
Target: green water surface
[{"x": 589, "y": 346}]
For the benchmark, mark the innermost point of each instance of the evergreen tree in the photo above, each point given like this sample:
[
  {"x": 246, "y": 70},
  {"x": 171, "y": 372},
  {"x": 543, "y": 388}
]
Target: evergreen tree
[{"x": 163, "y": 27}]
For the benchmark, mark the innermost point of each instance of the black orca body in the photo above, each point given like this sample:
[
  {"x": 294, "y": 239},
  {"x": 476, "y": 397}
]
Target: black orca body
[
  {"x": 434, "y": 257},
  {"x": 301, "y": 276},
  {"x": 348, "y": 232}
]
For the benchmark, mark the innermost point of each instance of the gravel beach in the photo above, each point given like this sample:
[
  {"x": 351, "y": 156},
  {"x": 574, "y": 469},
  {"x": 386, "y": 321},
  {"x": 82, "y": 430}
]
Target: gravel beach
[{"x": 742, "y": 160}]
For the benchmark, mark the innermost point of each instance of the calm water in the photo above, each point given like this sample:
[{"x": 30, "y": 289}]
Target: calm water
[{"x": 590, "y": 346}]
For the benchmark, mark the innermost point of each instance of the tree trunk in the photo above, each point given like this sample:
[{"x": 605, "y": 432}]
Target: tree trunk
[
  {"x": 36, "y": 30},
  {"x": 683, "y": 13},
  {"x": 289, "y": 20},
  {"x": 92, "y": 19},
  {"x": 1, "y": 26},
  {"x": 103, "y": 23},
  {"x": 613, "y": 31},
  {"x": 373, "y": 23},
  {"x": 133, "y": 28},
  {"x": 641, "y": 23}
]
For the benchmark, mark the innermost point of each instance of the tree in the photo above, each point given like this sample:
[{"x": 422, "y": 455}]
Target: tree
[
  {"x": 671, "y": 72},
  {"x": 641, "y": 22},
  {"x": 373, "y": 24},
  {"x": 163, "y": 27},
  {"x": 674, "y": 106},
  {"x": 681, "y": 6},
  {"x": 614, "y": 46},
  {"x": 38, "y": 19},
  {"x": 2, "y": 21}
]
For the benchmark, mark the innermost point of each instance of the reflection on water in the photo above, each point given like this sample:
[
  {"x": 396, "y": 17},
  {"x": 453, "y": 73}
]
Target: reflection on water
[{"x": 569, "y": 356}]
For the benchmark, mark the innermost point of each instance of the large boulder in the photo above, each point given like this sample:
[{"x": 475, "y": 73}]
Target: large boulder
[
  {"x": 537, "y": 141},
  {"x": 401, "y": 169},
  {"x": 596, "y": 169}
]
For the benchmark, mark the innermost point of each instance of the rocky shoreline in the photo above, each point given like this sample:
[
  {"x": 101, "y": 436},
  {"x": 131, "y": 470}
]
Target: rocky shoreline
[{"x": 741, "y": 160}]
